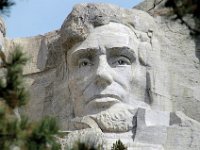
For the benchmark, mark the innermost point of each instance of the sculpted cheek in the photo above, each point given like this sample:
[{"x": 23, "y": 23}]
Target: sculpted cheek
[
  {"x": 79, "y": 84},
  {"x": 123, "y": 76}
]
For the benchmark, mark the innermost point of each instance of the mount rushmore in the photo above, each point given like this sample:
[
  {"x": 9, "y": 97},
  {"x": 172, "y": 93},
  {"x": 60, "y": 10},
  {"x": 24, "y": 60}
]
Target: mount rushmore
[{"x": 111, "y": 73}]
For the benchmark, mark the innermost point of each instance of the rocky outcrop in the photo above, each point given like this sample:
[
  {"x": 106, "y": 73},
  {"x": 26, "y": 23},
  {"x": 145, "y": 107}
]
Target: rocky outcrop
[
  {"x": 180, "y": 51},
  {"x": 164, "y": 113}
]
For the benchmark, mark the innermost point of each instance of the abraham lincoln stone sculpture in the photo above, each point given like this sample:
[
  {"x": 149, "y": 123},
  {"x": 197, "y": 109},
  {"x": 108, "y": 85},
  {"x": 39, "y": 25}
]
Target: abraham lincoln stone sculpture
[
  {"x": 111, "y": 73},
  {"x": 104, "y": 72},
  {"x": 116, "y": 79}
]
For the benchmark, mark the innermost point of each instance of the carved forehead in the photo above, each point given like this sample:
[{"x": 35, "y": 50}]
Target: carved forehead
[
  {"x": 85, "y": 17},
  {"x": 108, "y": 36},
  {"x": 114, "y": 28}
]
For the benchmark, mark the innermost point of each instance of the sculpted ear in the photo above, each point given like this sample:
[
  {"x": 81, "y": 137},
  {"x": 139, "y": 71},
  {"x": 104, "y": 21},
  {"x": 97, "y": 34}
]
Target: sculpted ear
[{"x": 143, "y": 50}]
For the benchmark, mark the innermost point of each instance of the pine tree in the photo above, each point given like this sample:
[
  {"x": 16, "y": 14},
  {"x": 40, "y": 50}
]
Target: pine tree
[
  {"x": 5, "y": 6},
  {"x": 15, "y": 130},
  {"x": 182, "y": 8},
  {"x": 118, "y": 146},
  {"x": 83, "y": 146}
]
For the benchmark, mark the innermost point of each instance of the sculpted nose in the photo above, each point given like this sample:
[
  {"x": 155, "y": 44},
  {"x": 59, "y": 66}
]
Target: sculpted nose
[{"x": 104, "y": 74}]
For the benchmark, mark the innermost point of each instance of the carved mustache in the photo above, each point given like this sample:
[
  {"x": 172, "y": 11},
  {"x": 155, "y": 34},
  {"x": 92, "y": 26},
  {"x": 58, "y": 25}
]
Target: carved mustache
[{"x": 104, "y": 96}]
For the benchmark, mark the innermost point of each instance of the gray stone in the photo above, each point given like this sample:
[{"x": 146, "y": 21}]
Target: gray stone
[
  {"x": 111, "y": 73},
  {"x": 180, "y": 52}
]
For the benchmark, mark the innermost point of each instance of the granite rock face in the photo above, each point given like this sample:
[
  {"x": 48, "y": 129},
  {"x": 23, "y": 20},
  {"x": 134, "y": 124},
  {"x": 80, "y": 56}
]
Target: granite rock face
[
  {"x": 112, "y": 73},
  {"x": 181, "y": 52}
]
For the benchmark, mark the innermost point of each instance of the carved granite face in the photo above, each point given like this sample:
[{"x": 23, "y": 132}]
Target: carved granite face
[{"x": 101, "y": 69}]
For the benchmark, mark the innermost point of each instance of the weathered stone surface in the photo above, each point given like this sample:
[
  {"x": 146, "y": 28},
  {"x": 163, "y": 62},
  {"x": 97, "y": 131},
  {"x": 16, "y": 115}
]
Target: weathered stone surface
[
  {"x": 45, "y": 74},
  {"x": 180, "y": 51},
  {"x": 113, "y": 73}
]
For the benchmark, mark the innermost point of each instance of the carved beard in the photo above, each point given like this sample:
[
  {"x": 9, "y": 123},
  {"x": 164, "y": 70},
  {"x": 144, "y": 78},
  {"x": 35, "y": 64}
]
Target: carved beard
[{"x": 118, "y": 118}]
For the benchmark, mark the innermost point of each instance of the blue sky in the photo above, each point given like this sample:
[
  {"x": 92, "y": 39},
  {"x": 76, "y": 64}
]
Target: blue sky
[{"x": 33, "y": 17}]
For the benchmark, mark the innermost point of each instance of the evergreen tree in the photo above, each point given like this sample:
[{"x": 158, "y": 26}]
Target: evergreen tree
[
  {"x": 83, "y": 146},
  {"x": 118, "y": 146},
  {"x": 5, "y": 6},
  {"x": 182, "y": 8},
  {"x": 16, "y": 131}
]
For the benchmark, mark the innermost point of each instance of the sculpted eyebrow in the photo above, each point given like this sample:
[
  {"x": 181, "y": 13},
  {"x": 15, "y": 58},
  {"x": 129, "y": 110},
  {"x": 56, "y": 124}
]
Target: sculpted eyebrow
[
  {"x": 82, "y": 53},
  {"x": 122, "y": 51}
]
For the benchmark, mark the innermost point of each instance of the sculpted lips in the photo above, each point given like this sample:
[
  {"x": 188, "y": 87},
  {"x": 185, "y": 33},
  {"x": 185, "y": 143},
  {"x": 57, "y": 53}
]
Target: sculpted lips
[{"x": 117, "y": 98}]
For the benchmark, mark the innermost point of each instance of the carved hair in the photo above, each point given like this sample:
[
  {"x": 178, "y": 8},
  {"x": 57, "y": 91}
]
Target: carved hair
[{"x": 85, "y": 17}]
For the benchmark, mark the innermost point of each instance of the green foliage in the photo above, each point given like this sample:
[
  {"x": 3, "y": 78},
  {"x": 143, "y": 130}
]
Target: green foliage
[
  {"x": 5, "y": 5},
  {"x": 118, "y": 146},
  {"x": 182, "y": 8},
  {"x": 14, "y": 131},
  {"x": 83, "y": 146},
  {"x": 12, "y": 89},
  {"x": 41, "y": 137}
]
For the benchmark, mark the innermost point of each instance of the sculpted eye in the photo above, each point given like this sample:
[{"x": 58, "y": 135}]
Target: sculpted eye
[
  {"x": 121, "y": 61},
  {"x": 84, "y": 63}
]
